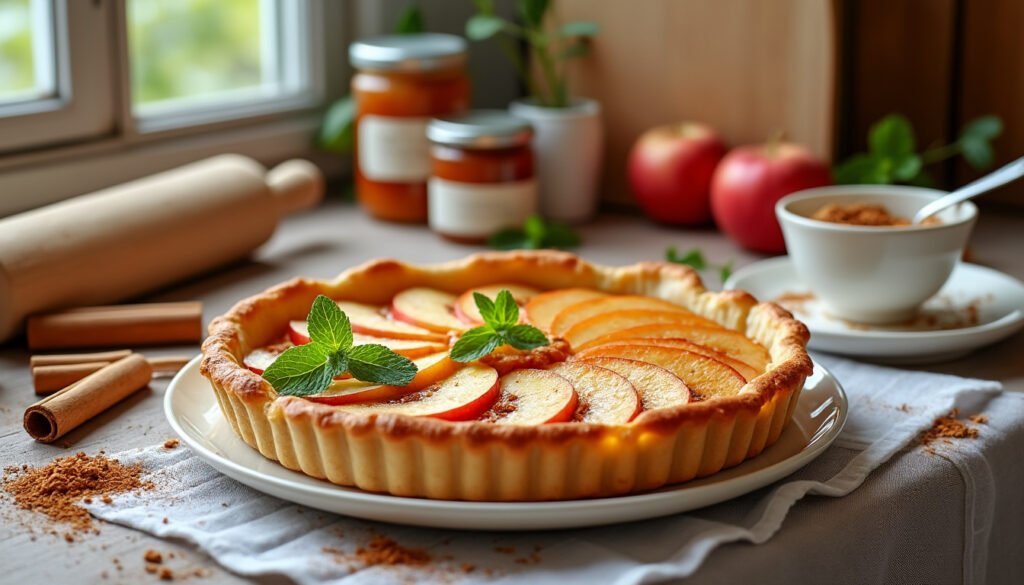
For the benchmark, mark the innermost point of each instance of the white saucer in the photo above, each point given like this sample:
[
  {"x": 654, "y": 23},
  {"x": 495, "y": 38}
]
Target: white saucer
[
  {"x": 193, "y": 413},
  {"x": 945, "y": 331}
]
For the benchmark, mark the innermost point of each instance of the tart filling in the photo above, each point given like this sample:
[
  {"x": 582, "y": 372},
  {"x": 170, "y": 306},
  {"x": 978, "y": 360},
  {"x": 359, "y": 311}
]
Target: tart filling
[{"x": 647, "y": 379}]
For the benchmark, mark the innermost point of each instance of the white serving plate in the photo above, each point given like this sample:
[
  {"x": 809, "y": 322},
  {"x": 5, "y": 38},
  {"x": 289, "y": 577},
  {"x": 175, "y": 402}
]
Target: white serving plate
[
  {"x": 999, "y": 299},
  {"x": 193, "y": 413}
]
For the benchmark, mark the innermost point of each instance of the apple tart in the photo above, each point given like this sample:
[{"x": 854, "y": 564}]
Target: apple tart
[{"x": 647, "y": 379}]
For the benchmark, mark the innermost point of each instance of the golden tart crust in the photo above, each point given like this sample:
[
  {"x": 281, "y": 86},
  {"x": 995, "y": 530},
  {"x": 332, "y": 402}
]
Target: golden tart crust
[{"x": 431, "y": 458}]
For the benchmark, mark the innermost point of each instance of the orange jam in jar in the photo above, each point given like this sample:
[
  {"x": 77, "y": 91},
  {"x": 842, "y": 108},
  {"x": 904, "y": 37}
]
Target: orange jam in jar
[
  {"x": 482, "y": 177},
  {"x": 402, "y": 82}
]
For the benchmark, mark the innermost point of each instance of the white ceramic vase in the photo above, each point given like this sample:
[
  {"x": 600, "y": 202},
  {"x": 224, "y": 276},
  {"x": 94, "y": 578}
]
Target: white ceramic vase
[{"x": 567, "y": 147}]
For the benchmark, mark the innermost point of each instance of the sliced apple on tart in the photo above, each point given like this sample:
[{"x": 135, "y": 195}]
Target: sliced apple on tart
[
  {"x": 371, "y": 320},
  {"x": 533, "y": 397},
  {"x": 542, "y": 309},
  {"x": 727, "y": 341},
  {"x": 746, "y": 370},
  {"x": 604, "y": 396},
  {"x": 581, "y": 311},
  {"x": 427, "y": 308},
  {"x": 465, "y": 305},
  {"x": 656, "y": 386},
  {"x": 706, "y": 377},
  {"x": 463, "y": 396},
  {"x": 607, "y": 323},
  {"x": 298, "y": 333},
  {"x": 430, "y": 370}
]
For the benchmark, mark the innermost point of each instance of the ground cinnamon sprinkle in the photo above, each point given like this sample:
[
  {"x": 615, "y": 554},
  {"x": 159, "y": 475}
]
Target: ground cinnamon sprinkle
[
  {"x": 56, "y": 489},
  {"x": 171, "y": 443},
  {"x": 950, "y": 427},
  {"x": 382, "y": 550}
]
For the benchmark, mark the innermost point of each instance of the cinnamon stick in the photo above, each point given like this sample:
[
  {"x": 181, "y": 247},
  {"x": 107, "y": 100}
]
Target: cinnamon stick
[
  {"x": 63, "y": 359},
  {"x": 56, "y": 374},
  {"x": 141, "y": 324},
  {"x": 54, "y": 416}
]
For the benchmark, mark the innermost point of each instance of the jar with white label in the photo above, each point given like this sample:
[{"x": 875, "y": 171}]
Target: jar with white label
[
  {"x": 482, "y": 177},
  {"x": 402, "y": 82}
]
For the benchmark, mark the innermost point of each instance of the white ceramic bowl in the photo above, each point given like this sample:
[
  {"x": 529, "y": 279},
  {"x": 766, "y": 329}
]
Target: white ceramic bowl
[{"x": 873, "y": 274}]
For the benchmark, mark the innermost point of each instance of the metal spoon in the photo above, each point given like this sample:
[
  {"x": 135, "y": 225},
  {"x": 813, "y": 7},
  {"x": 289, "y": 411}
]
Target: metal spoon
[{"x": 1004, "y": 175}]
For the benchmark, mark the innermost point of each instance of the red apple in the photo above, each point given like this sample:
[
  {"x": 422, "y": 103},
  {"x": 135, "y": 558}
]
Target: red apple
[
  {"x": 670, "y": 169},
  {"x": 750, "y": 180}
]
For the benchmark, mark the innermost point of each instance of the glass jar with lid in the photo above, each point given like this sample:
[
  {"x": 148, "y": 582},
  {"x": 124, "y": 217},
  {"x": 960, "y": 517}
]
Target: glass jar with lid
[
  {"x": 402, "y": 82},
  {"x": 482, "y": 177}
]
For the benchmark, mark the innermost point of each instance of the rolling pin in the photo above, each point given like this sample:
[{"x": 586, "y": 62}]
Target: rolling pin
[{"x": 123, "y": 241}]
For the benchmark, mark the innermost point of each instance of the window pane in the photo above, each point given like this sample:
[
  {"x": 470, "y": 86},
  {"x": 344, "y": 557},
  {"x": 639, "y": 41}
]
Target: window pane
[
  {"x": 190, "y": 51},
  {"x": 26, "y": 55}
]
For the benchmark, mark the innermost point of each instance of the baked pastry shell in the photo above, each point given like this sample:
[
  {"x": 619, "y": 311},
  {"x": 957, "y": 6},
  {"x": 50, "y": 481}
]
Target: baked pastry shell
[{"x": 431, "y": 458}]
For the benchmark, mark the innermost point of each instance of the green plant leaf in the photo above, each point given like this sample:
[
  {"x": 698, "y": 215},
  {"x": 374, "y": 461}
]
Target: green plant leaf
[
  {"x": 580, "y": 28},
  {"x": 725, "y": 271},
  {"x": 328, "y": 325},
  {"x": 485, "y": 305},
  {"x": 304, "y": 370},
  {"x": 378, "y": 364},
  {"x": 923, "y": 179},
  {"x": 484, "y": 6},
  {"x": 410, "y": 21},
  {"x": 483, "y": 26},
  {"x": 508, "y": 239},
  {"x": 533, "y": 12},
  {"x": 506, "y": 311},
  {"x": 985, "y": 127},
  {"x": 576, "y": 50},
  {"x": 693, "y": 258},
  {"x": 977, "y": 152},
  {"x": 535, "y": 230},
  {"x": 337, "y": 133},
  {"x": 560, "y": 235},
  {"x": 862, "y": 169},
  {"x": 525, "y": 337},
  {"x": 475, "y": 344},
  {"x": 892, "y": 136},
  {"x": 906, "y": 168}
]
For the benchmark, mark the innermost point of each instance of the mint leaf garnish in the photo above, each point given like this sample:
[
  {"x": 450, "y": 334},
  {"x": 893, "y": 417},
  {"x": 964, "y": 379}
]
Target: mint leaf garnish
[
  {"x": 475, "y": 344},
  {"x": 376, "y": 363},
  {"x": 501, "y": 327},
  {"x": 308, "y": 369},
  {"x": 694, "y": 258}
]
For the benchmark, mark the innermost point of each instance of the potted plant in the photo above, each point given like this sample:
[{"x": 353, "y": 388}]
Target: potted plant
[{"x": 568, "y": 134}]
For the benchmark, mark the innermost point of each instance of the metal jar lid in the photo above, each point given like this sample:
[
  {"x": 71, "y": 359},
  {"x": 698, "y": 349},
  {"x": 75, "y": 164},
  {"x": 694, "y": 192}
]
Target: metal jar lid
[
  {"x": 480, "y": 129},
  {"x": 414, "y": 52}
]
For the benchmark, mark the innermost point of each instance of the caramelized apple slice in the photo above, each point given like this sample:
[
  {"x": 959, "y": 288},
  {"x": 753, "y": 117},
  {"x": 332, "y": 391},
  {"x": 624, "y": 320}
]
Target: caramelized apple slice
[
  {"x": 465, "y": 305},
  {"x": 464, "y": 396},
  {"x": 604, "y": 396},
  {"x": 707, "y": 378},
  {"x": 746, "y": 370},
  {"x": 427, "y": 308},
  {"x": 533, "y": 397},
  {"x": 430, "y": 370},
  {"x": 584, "y": 310},
  {"x": 370, "y": 320},
  {"x": 298, "y": 332},
  {"x": 541, "y": 309},
  {"x": 607, "y": 323},
  {"x": 657, "y": 387},
  {"x": 732, "y": 343}
]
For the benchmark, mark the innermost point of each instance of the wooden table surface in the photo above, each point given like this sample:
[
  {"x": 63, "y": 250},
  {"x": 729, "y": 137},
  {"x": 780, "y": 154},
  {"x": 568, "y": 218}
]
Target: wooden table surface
[{"x": 321, "y": 243}]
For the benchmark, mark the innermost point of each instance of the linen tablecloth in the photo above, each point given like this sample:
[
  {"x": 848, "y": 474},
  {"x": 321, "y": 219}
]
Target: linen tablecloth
[{"x": 942, "y": 513}]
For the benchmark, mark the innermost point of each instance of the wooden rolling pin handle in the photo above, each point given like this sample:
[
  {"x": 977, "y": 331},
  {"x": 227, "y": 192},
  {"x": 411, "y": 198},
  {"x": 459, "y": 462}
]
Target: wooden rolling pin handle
[
  {"x": 57, "y": 414},
  {"x": 296, "y": 185}
]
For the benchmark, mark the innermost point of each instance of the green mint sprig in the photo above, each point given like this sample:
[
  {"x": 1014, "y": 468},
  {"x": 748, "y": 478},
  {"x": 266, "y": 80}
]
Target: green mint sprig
[
  {"x": 536, "y": 234},
  {"x": 501, "y": 327},
  {"x": 893, "y": 155},
  {"x": 695, "y": 259},
  {"x": 308, "y": 369}
]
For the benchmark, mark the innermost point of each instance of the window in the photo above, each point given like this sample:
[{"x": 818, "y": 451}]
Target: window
[{"x": 112, "y": 80}]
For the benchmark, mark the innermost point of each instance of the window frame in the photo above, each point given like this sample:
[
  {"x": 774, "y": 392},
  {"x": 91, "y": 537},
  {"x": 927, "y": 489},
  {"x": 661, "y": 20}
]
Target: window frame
[{"x": 126, "y": 147}]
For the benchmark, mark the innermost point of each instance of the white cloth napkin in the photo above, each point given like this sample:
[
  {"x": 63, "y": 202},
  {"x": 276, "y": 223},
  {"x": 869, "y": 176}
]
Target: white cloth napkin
[{"x": 254, "y": 534}]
